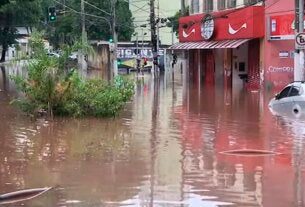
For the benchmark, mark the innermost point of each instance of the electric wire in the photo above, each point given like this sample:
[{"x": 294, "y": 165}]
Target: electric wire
[{"x": 102, "y": 10}]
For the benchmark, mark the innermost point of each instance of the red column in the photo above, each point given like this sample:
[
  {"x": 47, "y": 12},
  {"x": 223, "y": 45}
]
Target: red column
[{"x": 253, "y": 62}]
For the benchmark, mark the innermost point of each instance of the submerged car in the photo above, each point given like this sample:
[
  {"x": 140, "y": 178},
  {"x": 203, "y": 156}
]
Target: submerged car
[{"x": 290, "y": 101}]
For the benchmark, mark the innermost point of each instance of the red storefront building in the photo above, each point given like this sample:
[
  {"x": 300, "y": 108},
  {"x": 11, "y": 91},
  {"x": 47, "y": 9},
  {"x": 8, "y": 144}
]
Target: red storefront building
[{"x": 238, "y": 43}]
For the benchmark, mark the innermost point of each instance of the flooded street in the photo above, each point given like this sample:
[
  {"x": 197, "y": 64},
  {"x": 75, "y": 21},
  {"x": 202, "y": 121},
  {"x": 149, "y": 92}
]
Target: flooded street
[{"x": 165, "y": 149}]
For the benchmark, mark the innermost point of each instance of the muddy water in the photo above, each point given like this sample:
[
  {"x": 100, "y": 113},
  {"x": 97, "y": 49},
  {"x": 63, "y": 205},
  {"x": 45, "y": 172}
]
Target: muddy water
[{"x": 163, "y": 150}]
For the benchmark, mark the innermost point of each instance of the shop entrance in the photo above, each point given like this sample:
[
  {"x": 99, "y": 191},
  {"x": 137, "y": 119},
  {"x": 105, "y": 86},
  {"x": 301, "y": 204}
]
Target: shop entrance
[
  {"x": 245, "y": 65},
  {"x": 202, "y": 67}
]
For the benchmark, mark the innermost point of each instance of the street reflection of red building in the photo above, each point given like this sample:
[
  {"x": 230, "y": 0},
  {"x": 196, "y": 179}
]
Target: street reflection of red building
[{"x": 224, "y": 122}]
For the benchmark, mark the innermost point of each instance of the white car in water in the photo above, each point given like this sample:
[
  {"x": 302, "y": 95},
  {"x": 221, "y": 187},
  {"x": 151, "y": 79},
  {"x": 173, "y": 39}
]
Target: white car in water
[{"x": 290, "y": 101}]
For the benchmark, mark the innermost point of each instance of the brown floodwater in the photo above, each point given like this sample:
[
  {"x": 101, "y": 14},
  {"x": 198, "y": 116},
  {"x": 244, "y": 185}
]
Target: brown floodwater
[{"x": 168, "y": 147}]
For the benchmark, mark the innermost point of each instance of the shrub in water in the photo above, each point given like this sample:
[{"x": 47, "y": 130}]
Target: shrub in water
[{"x": 53, "y": 88}]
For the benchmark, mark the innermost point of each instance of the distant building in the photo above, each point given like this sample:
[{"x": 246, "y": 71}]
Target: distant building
[
  {"x": 21, "y": 49},
  {"x": 127, "y": 54}
]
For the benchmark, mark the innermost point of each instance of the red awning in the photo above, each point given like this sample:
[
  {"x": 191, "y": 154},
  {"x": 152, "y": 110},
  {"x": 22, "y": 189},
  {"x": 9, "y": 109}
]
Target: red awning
[{"x": 208, "y": 44}]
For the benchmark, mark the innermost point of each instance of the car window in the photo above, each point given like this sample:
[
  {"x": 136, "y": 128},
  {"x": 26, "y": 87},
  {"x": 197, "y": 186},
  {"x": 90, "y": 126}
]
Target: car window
[
  {"x": 294, "y": 91},
  {"x": 301, "y": 90},
  {"x": 284, "y": 93}
]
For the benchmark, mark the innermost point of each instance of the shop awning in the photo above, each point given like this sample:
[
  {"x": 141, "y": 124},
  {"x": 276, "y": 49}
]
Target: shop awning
[{"x": 208, "y": 44}]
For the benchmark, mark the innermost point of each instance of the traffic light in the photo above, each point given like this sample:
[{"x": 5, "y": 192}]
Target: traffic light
[
  {"x": 119, "y": 62},
  {"x": 52, "y": 14},
  {"x": 110, "y": 40}
]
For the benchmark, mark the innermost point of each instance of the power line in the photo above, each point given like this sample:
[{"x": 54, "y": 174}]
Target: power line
[
  {"x": 136, "y": 6},
  {"x": 96, "y": 16},
  {"x": 97, "y": 8},
  {"x": 86, "y": 14},
  {"x": 140, "y": 9}
]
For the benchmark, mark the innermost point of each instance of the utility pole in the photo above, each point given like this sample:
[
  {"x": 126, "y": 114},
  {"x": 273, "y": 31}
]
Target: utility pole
[
  {"x": 299, "y": 28},
  {"x": 158, "y": 33},
  {"x": 172, "y": 33},
  {"x": 137, "y": 44},
  {"x": 84, "y": 36},
  {"x": 142, "y": 42},
  {"x": 153, "y": 35},
  {"x": 114, "y": 71},
  {"x": 182, "y": 7}
]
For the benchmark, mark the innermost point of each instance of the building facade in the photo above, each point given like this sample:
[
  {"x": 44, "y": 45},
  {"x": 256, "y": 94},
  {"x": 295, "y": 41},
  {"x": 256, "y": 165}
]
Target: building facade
[
  {"x": 279, "y": 43},
  {"x": 238, "y": 43}
]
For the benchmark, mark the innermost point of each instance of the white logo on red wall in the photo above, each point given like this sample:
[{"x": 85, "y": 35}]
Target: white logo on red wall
[
  {"x": 186, "y": 35},
  {"x": 234, "y": 31}
]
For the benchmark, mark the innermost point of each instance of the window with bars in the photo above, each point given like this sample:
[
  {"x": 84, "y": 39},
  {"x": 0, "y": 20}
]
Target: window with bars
[
  {"x": 221, "y": 4},
  {"x": 231, "y": 3},
  {"x": 208, "y": 5},
  {"x": 194, "y": 6},
  {"x": 249, "y": 2}
]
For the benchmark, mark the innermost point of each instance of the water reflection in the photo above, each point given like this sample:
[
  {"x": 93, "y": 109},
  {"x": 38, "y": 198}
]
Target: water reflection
[{"x": 163, "y": 150}]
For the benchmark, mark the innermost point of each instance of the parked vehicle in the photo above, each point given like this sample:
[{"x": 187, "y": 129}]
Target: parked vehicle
[
  {"x": 290, "y": 101},
  {"x": 53, "y": 54},
  {"x": 73, "y": 56}
]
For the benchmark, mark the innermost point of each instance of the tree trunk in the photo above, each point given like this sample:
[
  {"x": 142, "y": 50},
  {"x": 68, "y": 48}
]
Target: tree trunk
[{"x": 4, "y": 49}]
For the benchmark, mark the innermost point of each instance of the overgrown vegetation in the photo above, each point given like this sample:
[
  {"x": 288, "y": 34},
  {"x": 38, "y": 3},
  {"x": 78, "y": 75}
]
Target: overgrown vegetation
[{"x": 52, "y": 87}]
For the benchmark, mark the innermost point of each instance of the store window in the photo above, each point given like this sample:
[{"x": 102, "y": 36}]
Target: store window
[
  {"x": 250, "y": 2},
  {"x": 232, "y": 3},
  {"x": 208, "y": 5},
  {"x": 194, "y": 6},
  {"x": 221, "y": 4}
]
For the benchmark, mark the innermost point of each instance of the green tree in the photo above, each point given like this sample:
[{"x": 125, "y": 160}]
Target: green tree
[
  {"x": 16, "y": 13},
  {"x": 174, "y": 20},
  {"x": 67, "y": 27}
]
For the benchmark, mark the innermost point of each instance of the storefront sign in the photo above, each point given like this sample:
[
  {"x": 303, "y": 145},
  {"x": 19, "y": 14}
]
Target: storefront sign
[
  {"x": 273, "y": 69},
  {"x": 243, "y": 23},
  {"x": 282, "y": 27},
  {"x": 129, "y": 53},
  {"x": 284, "y": 54}
]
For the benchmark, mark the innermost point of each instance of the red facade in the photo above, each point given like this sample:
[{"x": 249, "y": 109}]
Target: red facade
[
  {"x": 270, "y": 52},
  {"x": 230, "y": 24},
  {"x": 279, "y": 43}
]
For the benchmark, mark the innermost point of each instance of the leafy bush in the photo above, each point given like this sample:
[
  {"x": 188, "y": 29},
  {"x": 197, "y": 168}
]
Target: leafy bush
[{"x": 50, "y": 87}]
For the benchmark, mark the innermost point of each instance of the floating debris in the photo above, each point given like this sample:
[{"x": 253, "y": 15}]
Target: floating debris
[
  {"x": 249, "y": 152},
  {"x": 22, "y": 195}
]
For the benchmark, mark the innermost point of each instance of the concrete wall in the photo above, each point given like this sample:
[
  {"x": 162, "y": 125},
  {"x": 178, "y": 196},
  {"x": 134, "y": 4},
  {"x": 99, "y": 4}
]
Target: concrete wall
[{"x": 99, "y": 59}]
